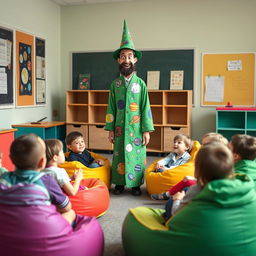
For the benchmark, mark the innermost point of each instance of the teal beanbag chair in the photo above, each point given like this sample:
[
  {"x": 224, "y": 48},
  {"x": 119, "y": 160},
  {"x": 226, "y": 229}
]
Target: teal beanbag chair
[{"x": 220, "y": 220}]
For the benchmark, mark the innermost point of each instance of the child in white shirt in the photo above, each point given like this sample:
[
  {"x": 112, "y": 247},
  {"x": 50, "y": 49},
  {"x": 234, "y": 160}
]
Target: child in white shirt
[{"x": 55, "y": 156}]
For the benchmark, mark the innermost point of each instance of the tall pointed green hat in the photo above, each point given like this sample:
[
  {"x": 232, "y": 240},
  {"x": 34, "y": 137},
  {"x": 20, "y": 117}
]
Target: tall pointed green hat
[{"x": 126, "y": 43}]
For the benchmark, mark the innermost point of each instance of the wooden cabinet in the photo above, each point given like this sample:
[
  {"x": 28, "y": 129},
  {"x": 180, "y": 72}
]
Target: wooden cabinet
[
  {"x": 231, "y": 121},
  {"x": 45, "y": 130},
  {"x": 171, "y": 112},
  {"x": 86, "y": 113},
  {"x": 6, "y": 139}
]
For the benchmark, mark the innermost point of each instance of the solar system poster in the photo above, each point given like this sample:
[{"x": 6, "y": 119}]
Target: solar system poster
[{"x": 25, "y": 67}]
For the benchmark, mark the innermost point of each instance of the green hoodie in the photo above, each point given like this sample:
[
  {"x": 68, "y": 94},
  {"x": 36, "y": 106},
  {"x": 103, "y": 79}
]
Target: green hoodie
[
  {"x": 220, "y": 220},
  {"x": 247, "y": 167}
]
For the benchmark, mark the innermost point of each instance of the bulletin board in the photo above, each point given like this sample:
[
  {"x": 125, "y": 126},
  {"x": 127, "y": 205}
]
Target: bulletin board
[
  {"x": 6, "y": 67},
  {"x": 25, "y": 88},
  {"x": 103, "y": 68},
  {"x": 228, "y": 78}
]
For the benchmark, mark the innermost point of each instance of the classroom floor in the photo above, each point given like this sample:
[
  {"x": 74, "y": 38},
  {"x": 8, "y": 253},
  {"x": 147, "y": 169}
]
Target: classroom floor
[{"x": 112, "y": 221}]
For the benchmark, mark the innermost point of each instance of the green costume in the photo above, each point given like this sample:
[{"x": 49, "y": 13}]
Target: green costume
[
  {"x": 220, "y": 220},
  {"x": 247, "y": 167},
  {"x": 128, "y": 115}
]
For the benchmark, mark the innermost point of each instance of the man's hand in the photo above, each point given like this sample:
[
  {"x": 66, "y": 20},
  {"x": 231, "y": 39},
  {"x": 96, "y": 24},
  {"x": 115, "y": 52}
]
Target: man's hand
[
  {"x": 146, "y": 138},
  {"x": 111, "y": 137}
]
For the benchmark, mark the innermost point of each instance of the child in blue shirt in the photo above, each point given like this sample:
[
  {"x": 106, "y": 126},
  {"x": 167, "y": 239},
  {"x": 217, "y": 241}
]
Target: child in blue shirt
[
  {"x": 179, "y": 156},
  {"x": 27, "y": 185}
]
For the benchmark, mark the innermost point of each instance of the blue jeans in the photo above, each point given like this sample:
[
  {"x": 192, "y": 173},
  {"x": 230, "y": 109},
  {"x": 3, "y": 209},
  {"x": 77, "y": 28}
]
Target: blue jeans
[
  {"x": 168, "y": 206},
  {"x": 93, "y": 165},
  {"x": 159, "y": 170}
]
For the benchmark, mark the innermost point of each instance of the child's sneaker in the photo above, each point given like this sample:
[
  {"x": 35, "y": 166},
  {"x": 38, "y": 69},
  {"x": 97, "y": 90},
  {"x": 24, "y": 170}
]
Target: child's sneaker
[{"x": 161, "y": 196}]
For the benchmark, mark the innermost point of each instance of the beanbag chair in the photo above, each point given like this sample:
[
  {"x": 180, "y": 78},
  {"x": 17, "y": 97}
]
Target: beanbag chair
[
  {"x": 220, "y": 220},
  {"x": 103, "y": 173},
  {"x": 158, "y": 182},
  {"x": 93, "y": 201},
  {"x": 32, "y": 227}
]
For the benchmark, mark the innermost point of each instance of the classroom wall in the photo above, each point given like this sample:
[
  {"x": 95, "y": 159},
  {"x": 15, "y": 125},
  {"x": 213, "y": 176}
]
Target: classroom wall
[
  {"x": 207, "y": 26},
  {"x": 41, "y": 18}
]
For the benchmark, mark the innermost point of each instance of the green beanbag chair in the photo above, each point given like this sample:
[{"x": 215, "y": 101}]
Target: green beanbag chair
[{"x": 220, "y": 220}]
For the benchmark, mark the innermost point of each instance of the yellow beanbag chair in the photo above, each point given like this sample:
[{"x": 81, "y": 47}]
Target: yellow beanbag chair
[
  {"x": 102, "y": 173},
  {"x": 158, "y": 182}
]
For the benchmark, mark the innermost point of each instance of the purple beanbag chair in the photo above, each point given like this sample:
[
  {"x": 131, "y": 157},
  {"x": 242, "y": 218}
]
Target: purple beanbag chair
[{"x": 36, "y": 229}]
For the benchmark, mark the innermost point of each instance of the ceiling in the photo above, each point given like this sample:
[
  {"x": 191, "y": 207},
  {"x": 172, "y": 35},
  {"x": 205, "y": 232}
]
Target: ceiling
[{"x": 81, "y": 2}]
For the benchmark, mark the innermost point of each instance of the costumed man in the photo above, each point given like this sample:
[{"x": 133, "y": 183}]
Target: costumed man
[{"x": 128, "y": 120}]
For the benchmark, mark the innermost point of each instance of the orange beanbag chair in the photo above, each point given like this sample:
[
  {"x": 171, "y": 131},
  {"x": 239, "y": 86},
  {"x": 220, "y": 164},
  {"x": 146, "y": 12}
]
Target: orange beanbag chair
[
  {"x": 93, "y": 201},
  {"x": 158, "y": 182},
  {"x": 103, "y": 173}
]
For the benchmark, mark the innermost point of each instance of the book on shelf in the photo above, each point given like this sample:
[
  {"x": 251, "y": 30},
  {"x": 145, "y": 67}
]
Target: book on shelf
[{"x": 84, "y": 81}]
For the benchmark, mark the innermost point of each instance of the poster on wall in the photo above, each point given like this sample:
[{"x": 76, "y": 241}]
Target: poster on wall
[
  {"x": 6, "y": 68},
  {"x": 25, "y": 69},
  {"x": 40, "y": 72},
  {"x": 25, "y": 89}
]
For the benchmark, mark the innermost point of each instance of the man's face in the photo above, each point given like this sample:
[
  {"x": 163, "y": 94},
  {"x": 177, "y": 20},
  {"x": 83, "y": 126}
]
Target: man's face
[{"x": 126, "y": 62}]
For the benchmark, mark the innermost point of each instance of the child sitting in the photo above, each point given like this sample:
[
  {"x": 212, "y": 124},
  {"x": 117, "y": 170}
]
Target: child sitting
[
  {"x": 2, "y": 169},
  {"x": 55, "y": 156},
  {"x": 179, "y": 156},
  {"x": 27, "y": 153},
  {"x": 244, "y": 152},
  {"x": 213, "y": 161},
  {"x": 189, "y": 180},
  {"x": 75, "y": 143}
]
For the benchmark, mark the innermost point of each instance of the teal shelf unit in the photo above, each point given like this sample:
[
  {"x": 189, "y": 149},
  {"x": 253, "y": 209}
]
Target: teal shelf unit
[
  {"x": 45, "y": 130},
  {"x": 230, "y": 121}
]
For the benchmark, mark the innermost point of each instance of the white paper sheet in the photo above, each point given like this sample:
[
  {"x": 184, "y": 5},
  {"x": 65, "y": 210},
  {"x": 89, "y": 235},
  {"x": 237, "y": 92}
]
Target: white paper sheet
[
  {"x": 214, "y": 89},
  {"x": 40, "y": 67},
  {"x": 176, "y": 79},
  {"x": 3, "y": 83},
  {"x": 40, "y": 91},
  {"x": 153, "y": 78},
  {"x": 3, "y": 52},
  {"x": 234, "y": 65}
]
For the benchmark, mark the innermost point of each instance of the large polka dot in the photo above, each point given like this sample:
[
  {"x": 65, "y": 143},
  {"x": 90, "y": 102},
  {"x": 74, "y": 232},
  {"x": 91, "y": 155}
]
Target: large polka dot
[{"x": 128, "y": 147}]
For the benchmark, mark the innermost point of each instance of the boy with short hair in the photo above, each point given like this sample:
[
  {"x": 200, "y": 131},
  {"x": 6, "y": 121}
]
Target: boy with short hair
[
  {"x": 179, "y": 156},
  {"x": 54, "y": 157},
  {"x": 244, "y": 151},
  {"x": 27, "y": 153},
  {"x": 75, "y": 143}
]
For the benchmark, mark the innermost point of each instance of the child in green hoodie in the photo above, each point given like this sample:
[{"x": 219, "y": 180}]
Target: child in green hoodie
[{"x": 244, "y": 152}]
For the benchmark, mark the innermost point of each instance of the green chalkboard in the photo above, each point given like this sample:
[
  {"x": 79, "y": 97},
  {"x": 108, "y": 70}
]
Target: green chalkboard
[{"x": 104, "y": 69}]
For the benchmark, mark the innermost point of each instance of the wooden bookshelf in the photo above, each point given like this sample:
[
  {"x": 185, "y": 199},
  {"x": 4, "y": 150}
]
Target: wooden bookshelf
[{"x": 171, "y": 110}]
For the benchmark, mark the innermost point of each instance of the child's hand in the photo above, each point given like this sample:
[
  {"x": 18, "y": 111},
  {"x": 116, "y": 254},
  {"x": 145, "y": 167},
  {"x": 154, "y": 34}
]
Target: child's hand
[
  {"x": 78, "y": 174},
  {"x": 100, "y": 162},
  {"x": 158, "y": 166},
  {"x": 178, "y": 195},
  {"x": 189, "y": 178}
]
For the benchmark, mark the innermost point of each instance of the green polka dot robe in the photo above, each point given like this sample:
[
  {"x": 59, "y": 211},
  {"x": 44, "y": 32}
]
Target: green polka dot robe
[{"x": 128, "y": 115}]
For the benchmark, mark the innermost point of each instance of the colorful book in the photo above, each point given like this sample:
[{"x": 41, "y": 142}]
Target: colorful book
[{"x": 84, "y": 81}]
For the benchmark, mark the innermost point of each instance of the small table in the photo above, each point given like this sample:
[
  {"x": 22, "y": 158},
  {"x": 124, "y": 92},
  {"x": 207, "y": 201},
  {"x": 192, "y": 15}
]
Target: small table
[
  {"x": 45, "y": 130},
  {"x": 6, "y": 139}
]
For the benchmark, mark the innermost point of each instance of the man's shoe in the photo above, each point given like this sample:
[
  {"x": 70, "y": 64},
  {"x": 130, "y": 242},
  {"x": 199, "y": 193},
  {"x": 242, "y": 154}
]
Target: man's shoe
[
  {"x": 119, "y": 189},
  {"x": 136, "y": 191}
]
